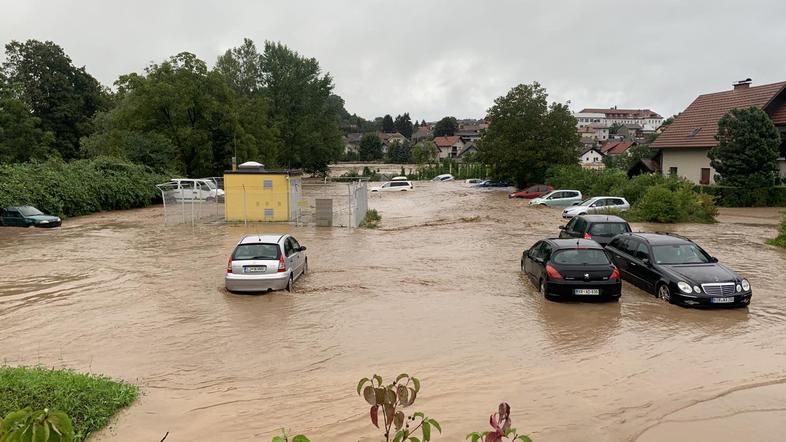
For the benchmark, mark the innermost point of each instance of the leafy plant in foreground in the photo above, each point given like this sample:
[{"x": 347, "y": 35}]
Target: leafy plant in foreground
[
  {"x": 501, "y": 428},
  {"x": 285, "y": 438},
  {"x": 387, "y": 400},
  {"x": 41, "y": 425}
]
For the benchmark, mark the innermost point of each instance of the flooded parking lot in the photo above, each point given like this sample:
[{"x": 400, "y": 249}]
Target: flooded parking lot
[{"x": 436, "y": 292}]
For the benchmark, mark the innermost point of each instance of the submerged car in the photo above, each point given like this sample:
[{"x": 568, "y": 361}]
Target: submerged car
[
  {"x": 598, "y": 204},
  {"x": 27, "y": 216},
  {"x": 532, "y": 191},
  {"x": 557, "y": 198},
  {"x": 489, "y": 183},
  {"x": 473, "y": 181},
  {"x": 567, "y": 268},
  {"x": 677, "y": 270},
  {"x": 443, "y": 177},
  {"x": 393, "y": 186},
  {"x": 265, "y": 262},
  {"x": 599, "y": 228}
]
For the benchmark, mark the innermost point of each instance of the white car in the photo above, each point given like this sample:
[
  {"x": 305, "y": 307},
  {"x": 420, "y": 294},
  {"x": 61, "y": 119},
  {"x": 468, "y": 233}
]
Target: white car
[
  {"x": 598, "y": 204},
  {"x": 393, "y": 186},
  {"x": 194, "y": 189},
  {"x": 473, "y": 181},
  {"x": 443, "y": 177}
]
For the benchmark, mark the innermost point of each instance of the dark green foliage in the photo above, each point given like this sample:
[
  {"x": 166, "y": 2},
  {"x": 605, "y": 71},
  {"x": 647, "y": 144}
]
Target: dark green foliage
[
  {"x": 400, "y": 153},
  {"x": 459, "y": 170},
  {"x": 446, "y": 127},
  {"x": 63, "y": 97},
  {"x": 388, "y": 126},
  {"x": 424, "y": 152},
  {"x": 39, "y": 425},
  {"x": 370, "y": 148},
  {"x": 21, "y": 136},
  {"x": 528, "y": 136},
  {"x": 677, "y": 203},
  {"x": 748, "y": 149},
  {"x": 780, "y": 240},
  {"x": 78, "y": 187},
  {"x": 371, "y": 220},
  {"x": 403, "y": 125},
  {"x": 746, "y": 197},
  {"x": 89, "y": 400}
]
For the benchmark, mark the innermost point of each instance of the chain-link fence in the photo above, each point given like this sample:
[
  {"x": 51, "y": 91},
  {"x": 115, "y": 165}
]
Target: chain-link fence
[
  {"x": 337, "y": 204},
  {"x": 192, "y": 200}
]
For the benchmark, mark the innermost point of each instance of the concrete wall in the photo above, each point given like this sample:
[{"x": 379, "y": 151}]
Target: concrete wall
[{"x": 688, "y": 162}]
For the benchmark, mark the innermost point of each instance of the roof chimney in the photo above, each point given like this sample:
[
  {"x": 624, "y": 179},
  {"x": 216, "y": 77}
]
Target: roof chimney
[{"x": 742, "y": 84}]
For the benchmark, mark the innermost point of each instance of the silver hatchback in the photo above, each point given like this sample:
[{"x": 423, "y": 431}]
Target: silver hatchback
[{"x": 265, "y": 262}]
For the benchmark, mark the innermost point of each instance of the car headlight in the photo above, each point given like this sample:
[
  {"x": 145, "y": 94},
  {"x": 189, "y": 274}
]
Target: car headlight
[
  {"x": 696, "y": 289},
  {"x": 684, "y": 286},
  {"x": 746, "y": 285}
]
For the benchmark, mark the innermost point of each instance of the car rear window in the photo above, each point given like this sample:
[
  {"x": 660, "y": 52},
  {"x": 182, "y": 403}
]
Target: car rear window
[
  {"x": 608, "y": 229},
  {"x": 580, "y": 257},
  {"x": 256, "y": 251}
]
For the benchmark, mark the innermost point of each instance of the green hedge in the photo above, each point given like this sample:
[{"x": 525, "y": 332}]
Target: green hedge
[
  {"x": 78, "y": 187},
  {"x": 780, "y": 240},
  {"x": 742, "y": 197}
]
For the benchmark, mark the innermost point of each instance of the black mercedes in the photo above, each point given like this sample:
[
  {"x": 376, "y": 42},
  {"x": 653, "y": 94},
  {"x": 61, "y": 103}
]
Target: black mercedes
[
  {"x": 677, "y": 270},
  {"x": 571, "y": 268}
]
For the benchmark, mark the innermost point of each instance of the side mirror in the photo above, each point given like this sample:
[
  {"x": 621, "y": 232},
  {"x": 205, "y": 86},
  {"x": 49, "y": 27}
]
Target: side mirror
[
  {"x": 302, "y": 249},
  {"x": 713, "y": 259},
  {"x": 562, "y": 227}
]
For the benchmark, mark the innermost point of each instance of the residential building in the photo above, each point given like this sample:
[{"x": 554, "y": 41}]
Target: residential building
[
  {"x": 388, "y": 139},
  {"x": 448, "y": 147},
  {"x": 615, "y": 147},
  {"x": 647, "y": 119},
  {"x": 586, "y": 118},
  {"x": 592, "y": 158},
  {"x": 423, "y": 133},
  {"x": 683, "y": 146},
  {"x": 469, "y": 148},
  {"x": 352, "y": 142},
  {"x": 631, "y": 132}
]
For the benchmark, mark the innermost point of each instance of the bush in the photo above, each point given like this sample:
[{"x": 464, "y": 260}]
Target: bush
[
  {"x": 90, "y": 401},
  {"x": 78, "y": 187},
  {"x": 371, "y": 220},
  {"x": 780, "y": 240},
  {"x": 746, "y": 197},
  {"x": 675, "y": 204}
]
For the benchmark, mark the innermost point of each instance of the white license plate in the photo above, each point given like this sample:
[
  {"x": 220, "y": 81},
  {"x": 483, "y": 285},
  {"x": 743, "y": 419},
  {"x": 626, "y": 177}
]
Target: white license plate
[
  {"x": 586, "y": 291},
  {"x": 721, "y": 300},
  {"x": 254, "y": 269}
]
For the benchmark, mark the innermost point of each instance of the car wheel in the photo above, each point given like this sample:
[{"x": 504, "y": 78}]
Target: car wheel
[
  {"x": 291, "y": 284},
  {"x": 543, "y": 288},
  {"x": 664, "y": 293}
]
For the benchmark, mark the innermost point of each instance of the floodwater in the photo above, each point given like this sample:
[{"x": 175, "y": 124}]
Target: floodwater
[{"x": 436, "y": 292}]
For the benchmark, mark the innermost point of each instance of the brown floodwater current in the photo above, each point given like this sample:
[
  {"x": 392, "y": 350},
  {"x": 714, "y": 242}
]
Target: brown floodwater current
[{"x": 435, "y": 292}]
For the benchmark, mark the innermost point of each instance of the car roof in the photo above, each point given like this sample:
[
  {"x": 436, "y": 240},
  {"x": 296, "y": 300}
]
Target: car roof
[
  {"x": 564, "y": 190},
  {"x": 603, "y": 219},
  {"x": 660, "y": 238},
  {"x": 274, "y": 239},
  {"x": 560, "y": 243}
]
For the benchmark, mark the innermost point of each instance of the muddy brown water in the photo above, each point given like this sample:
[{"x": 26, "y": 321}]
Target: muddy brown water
[{"x": 436, "y": 292}]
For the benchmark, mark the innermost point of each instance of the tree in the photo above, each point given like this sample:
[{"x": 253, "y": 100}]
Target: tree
[
  {"x": 387, "y": 124},
  {"x": 21, "y": 136},
  {"x": 446, "y": 127},
  {"x": 424, "y": 152},
  {"x": 399, "y": 153},
  {"x": 63, "y": 97},
  {"x": 747, "y": 150},
  {"x": 528, "y": 135},
  {"x": 241, "y": 68},
  {"x": 404, "y": 125},
  {"x": 370, "y": 148}
]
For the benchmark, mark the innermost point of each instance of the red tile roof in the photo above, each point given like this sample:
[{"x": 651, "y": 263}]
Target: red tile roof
[
  {"x": 621, "y": 113},
  {"x": 446, "y": 141},
  {"x": 698, "y": 124},
  {"x": 617, "y": 147}
]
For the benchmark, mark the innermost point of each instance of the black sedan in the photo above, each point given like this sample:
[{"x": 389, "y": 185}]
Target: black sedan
[
  {"x": 26, "y": 216},
  {"x": 571, "y": 268},
  {"x": 677, "y": 270}
]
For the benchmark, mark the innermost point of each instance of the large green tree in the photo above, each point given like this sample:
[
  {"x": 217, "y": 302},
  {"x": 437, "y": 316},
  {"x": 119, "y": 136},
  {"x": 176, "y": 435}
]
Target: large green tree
[
  {"x": 388, "y": 125},
  {"x": 747, "y": 150},
  {"x": 424, "y": 152},
  {"x": 446, "y": 127},
  {"x": 528, "y": 135},
  {"x": 63, "y": 97},
  {"x": 403, "y": 124},
  {"x": 370, "y": 148},
  {"x": 21, "y": 136}
]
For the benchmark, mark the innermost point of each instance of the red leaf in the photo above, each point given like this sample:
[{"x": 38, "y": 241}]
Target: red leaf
[
  {"x": 493, "y": 422},
  {"x": 375, "y": 415},
  {"x": 493, "y": 437}
]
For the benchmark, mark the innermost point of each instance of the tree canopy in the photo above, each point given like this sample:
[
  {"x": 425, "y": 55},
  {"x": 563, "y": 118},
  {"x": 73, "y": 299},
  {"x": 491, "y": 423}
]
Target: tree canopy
[
  {"x": 403, "y": 124},
  {"x": 446, "y": 127},
  {"x": 388, "y": 126},
  {"x": 528, "y": 135},
  {"x": 370, "y": 148}
]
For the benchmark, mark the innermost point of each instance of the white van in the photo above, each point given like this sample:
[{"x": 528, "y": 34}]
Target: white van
[{"x": 194, "y": 189}]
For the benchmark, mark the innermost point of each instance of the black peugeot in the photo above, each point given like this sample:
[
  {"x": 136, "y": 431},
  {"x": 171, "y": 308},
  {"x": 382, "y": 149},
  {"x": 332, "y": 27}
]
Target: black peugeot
[
  {"x": 677, "y": 270},
  {"x": 571, "y": 268}
]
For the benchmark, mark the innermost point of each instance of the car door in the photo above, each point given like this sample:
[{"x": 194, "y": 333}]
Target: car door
[
  {"x": 571, "y": 197},
  {"x": 618, "y": 253},
  {"x": 14, "y": 218},
  {"x": 530, "y": 258},
  {"x": 554, "y": 199},
  {"x": 289, "y": 256},
  {"x": 567, "y": 231},
  {"x": 299, "y": 255},
  {"x": 641, "y": 266},
  {"x": 597, "y": 206}
]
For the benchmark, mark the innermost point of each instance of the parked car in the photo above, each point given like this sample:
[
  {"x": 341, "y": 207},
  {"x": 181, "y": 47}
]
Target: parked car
[
  {"x": 27, "y": 216},
  {"x": 677, "y": 270},
  {"x": 566, "y": 268},
  {"x": 532, "y": 191},
  {"x": 443, "y": 177},
  {"x": 598, "y": 204},
  {"x": 265, "y": 262},
  {"x": 194, "y": 189},
  {"x": 558, "y": 198},
  {"x": 473, "y": 181},
  {"x": 489, "y": 183},
  {"x": 599, "y": 228},
  {"x": 393, "y": 186}
]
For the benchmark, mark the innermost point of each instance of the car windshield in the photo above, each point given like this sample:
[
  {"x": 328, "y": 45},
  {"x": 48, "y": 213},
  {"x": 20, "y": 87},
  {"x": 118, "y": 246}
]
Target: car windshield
[
  {"x": 267, "y": 252},
  {"x": 679, "y": 254},
  {"x": 580, "y": 257},
  {"x": 29, "y": 211},
  {"x": 608, "y": 229}
]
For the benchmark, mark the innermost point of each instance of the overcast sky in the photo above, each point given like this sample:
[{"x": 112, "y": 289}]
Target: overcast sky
[{"x": 437, "y": 58}]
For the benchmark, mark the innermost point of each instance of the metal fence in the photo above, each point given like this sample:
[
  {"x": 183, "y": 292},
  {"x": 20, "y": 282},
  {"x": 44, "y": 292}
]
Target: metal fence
[
  {"x": 188, "y": 201},
  {"x": 337, "y": 204}
]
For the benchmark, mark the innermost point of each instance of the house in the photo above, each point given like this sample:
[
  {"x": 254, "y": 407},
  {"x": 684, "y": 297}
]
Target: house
[
  {"x": 684, "y": 144},
  {"x": 469, "y": 148},
  {"x": 423, "y": 133},
  {"x": 631, "y": 131},
  {"x": 616, "y": 147},
  {"x": 645, "y": 118},
  {"x": 644, "y": 165},
  {"x": 601, "y": 131},
  {"x": 592, "y": 158},
  {"x": 352, "y": 142},
  {"x": 388, "y": 139},
  {"x": 448, "y": 147}
]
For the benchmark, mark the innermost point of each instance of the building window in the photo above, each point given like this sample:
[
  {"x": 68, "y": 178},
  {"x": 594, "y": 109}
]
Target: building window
[
  {"x": 673, "y": 171},
  {"x": 267, "y": 184},
  {"x": 268, "y": 213},
  {"x": 705, "y": 176}
]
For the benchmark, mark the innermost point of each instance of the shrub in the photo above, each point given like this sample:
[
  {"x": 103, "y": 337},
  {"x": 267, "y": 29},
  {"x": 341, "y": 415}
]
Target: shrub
[
  {"x": 780, "y": 240},
  {"x": 371, "y": 220},
  {"x": 746, "y": 197},
  {"x": 89, "y": 400},
  {"x": 673, "y": 204}
]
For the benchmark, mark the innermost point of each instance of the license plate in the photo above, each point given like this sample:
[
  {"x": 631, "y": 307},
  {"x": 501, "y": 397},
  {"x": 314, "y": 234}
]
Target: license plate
[
  {"x": 586, "y": 291},
  {"x": 721, "y": 300},
  {"x": 254, "y": 269}
]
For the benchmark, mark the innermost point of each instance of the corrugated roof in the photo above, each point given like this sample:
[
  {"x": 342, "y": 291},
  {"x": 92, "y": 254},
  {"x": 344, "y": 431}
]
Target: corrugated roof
[{"x": 698, "y": 124}]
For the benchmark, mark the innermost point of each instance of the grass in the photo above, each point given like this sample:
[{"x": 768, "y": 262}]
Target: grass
[
  {"x": 780, "y": 240},
  {"x": 371, "y": 220},
  {"x": 89, "y": 400}
]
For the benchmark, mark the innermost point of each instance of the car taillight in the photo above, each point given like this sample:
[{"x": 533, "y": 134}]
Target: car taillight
[
  {"x": 552, "y": 272},
  {"x": 229, "y": 265},
  {"x": 281, "y": 266},
  {"x": 587, "y": 236},
  {"x": 615, "y": 273}
]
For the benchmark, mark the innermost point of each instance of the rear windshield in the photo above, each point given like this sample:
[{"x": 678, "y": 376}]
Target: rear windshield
[
  {"x": 266, "y": 252},
  {"x": 580, "y": 256},
  {"x": 608, "y": 229}
]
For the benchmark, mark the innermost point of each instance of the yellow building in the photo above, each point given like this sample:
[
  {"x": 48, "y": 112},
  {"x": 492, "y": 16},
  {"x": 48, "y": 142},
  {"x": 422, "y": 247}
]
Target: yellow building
[{"x": 252, "y": 193}]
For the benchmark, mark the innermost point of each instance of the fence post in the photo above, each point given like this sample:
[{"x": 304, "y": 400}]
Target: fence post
[{"x": 349, "y": 199}]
